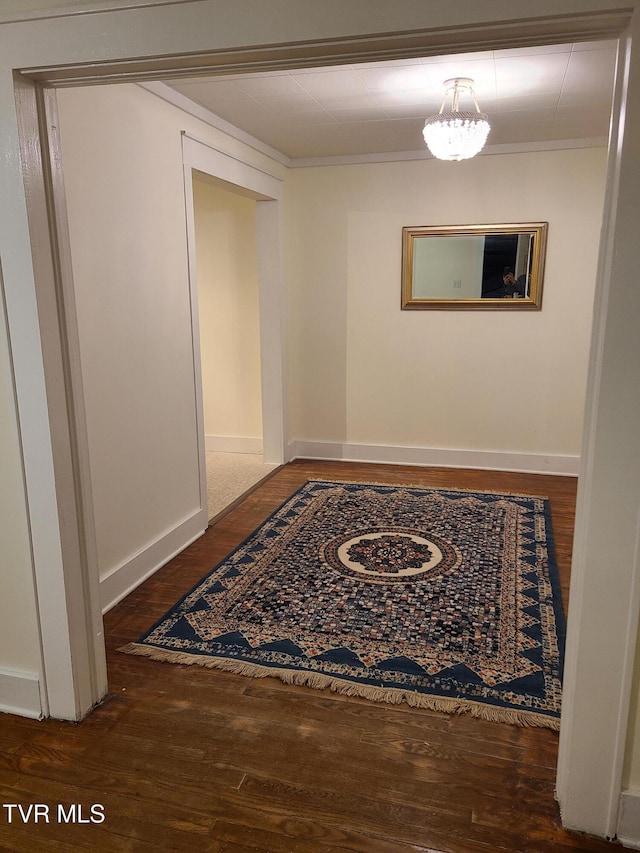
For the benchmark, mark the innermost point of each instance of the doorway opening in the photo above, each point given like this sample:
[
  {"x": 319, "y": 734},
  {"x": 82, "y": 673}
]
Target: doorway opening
[{"x": 229, "y": 331}]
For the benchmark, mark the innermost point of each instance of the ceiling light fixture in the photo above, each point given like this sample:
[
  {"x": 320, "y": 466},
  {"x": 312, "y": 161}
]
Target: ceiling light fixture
[{"x": 456, "y": 134}]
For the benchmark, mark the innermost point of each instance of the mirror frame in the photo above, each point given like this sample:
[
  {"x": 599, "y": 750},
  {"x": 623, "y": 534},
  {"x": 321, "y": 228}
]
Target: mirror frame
[{"x": 531, "y": 303}]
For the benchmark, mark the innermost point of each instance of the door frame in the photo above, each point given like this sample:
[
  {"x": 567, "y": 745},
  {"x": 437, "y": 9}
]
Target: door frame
[{"x": 266, "y": 189}]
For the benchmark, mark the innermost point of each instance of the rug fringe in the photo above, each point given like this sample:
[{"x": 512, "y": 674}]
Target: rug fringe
[{"x": 389, "y": 695}]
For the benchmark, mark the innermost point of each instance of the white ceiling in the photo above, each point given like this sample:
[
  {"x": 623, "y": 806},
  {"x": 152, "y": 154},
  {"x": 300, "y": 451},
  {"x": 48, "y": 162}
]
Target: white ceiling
[{"x": 531, "y": 95}]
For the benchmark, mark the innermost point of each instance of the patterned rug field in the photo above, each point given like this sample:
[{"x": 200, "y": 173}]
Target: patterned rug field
[{"x": 439, "y": 598}]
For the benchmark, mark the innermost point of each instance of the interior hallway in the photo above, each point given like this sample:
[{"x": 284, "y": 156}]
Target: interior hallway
[
  {"x": 230, "y": 476},
  {"x": 185, "y": 758}
]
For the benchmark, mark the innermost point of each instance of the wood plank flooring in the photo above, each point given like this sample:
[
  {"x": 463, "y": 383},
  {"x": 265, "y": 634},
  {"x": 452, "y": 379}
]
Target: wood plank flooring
[{"x": 189, "y": 759}]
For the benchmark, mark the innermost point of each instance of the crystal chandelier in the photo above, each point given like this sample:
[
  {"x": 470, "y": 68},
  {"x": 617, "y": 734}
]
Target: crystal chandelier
[{"x": 456, "y": 134}]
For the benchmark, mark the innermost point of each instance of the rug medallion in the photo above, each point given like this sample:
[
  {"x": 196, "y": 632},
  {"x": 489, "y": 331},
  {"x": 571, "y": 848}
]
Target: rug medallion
[{"x": 444, "y": 599}]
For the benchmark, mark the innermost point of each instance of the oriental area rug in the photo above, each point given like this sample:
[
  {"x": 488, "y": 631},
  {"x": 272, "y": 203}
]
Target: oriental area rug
[{"x": 444, "y": 599}]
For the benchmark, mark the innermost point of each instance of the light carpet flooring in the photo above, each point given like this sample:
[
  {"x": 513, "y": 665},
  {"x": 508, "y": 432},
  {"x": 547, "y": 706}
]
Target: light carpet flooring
[{"x": 230, "y": 475}]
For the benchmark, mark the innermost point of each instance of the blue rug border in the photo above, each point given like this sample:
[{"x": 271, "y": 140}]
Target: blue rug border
[
  {"x": 553, "y": 570},
  {"x": 554, "y": 573}
]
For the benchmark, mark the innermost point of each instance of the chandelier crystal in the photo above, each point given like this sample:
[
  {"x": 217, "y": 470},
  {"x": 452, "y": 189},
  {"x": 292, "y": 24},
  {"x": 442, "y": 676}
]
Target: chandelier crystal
[{"x": 456, "y": 134}]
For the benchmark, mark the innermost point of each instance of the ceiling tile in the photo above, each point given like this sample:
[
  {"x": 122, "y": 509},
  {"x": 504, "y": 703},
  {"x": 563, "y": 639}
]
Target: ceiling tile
[
  {"x": 534, "y": 101},
  {"x": 258, "y": 86},
  {"x": 301, "y": 102},
  {"x": 537, "y": 50},
  {"x": 211, "y": 89},
  {"x": 585, "y": 97},
  {"x": 366, "y": 113},
  {"x": 522, "y": 118},
  {"x": 549, "y": 92},
  {"x": 610, "y": 44},
  {"x": 348, "y": 101},
  {"x": 310, "y": 118},
  {"x": 410, "y": 110},
  {"x": 332, "y": 84},
  {"x": 590, "y": 71},
  {"x": 584, "y": 122},
  {"x": 525, "y": 75}
]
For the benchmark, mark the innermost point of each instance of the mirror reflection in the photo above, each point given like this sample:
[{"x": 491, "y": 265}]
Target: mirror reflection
[{"x": 473, "y": 266}]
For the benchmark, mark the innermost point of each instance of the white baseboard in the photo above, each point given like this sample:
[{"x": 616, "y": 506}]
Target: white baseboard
[
  {"x": 629, "y": 820},
  {"x": 529, "y": 463},
  {"x": 232, "y": 444},
  {"x": 20, "y": 694},
  {"x": 123, "y": 579}
]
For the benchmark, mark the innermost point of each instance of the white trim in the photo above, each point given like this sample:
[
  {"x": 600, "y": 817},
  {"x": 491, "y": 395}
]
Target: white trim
[
  {"x": 529, "y": 463},
  {"x": 256, "y": 182},
  {"x": 269, "y": 229},
  {"x": 401, "y": 156},
  {"x": 196, "y": 351},
  {"x": 80, "y": 9},
  {"x": 123, "y": 579},
  {"x": 266, "y": 189},
  {"x": 20, "y": 694},
  {"x": 232, "y": 444},
  {"x": 629, "y": 820},
  {"x": 97, "y": 662},
  {"x": 182, "y": 102},
  {"x": 74, "y": 676},
  {"x": 590, "y": 768}
]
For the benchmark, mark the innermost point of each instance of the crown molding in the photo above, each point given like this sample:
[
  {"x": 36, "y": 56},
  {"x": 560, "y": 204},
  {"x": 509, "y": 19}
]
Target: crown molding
[
  {"x": 187, "y": 105},
  {"x": 401, "y": 156}
]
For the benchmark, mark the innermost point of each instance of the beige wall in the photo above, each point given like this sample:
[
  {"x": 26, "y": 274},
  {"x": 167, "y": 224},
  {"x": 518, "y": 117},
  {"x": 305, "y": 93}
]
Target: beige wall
[
  {"x": 122, "y": 159},
  {"x": 227, "y": 275},
  {"x": 367, "y": 372},
  {"x": 126, "y": 220},
  {"x": 19, "y": 648}
]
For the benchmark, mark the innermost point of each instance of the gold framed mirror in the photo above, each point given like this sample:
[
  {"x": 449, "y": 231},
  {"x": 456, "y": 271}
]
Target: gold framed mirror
[{"x": 474, "y": 266}]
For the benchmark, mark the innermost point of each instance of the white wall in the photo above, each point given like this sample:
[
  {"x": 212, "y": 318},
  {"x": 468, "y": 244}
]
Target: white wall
[
  {"x": 126, "y": 221},
  {"x": 367, "y": 373},
  {"x": 122, "y": 156},
  {"x": 19, "y": 650},
  {"x": 227, "y": 275}
]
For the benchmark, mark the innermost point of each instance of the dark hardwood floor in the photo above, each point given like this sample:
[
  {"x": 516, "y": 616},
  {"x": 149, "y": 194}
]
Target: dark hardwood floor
[{"x": 190, "y": 759}]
